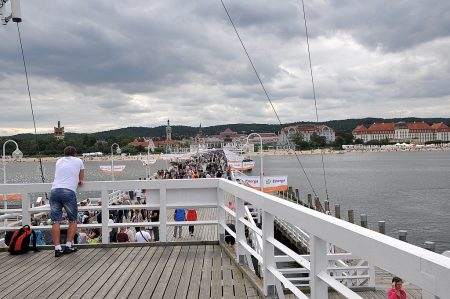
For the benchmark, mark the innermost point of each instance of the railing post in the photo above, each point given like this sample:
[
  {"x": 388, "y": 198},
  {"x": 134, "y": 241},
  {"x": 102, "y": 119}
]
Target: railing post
[
  {"x": 337, "y": 211},
  {"x": 351, "y": 217},
  {"x": 319, "y": 289},
  {"x": 268, "y": 254},
  {"x": 26, "y": 217},
  {"x": 382, "y": 227},
  {"x": 163, "y": 214},
  {"x": 363, "y": 218},
  {"x": 402, "y": 235},
  {"x": 105, "y": 217},
  {"x": 221, "y": 215},
  {"x": 240, "y": 231}
]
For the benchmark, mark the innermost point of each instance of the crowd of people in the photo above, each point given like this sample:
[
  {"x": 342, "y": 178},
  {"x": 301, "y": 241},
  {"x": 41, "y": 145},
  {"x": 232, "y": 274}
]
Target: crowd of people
[{"x": 207, "y": 165}]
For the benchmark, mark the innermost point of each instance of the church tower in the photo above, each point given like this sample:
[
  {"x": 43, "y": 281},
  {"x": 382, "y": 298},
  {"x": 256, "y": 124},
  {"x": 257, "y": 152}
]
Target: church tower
[{"x": 168, "y": 137}]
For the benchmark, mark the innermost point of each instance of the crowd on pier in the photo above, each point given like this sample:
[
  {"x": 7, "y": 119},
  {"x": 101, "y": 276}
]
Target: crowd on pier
[{"x": 205, "y": 165}]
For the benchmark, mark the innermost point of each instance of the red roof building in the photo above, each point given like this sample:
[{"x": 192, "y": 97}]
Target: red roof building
[{"x": 417, "y": 132}]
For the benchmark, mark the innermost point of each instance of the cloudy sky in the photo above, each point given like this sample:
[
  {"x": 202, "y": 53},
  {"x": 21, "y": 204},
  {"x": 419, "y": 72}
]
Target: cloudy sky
[{"x": 99, "y": 65}]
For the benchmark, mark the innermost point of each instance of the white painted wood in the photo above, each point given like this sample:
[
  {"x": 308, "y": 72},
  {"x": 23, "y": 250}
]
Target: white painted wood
[
  {"x": 105, "y": 217},
  {"x": 318, "y": 247},
  {"x": 26, "y": 215},
  {"x": 268, "y": 252},
  {"x": 240, "y": 230},
  {"x": 221, "y": 215},
  {"x": 423, "y": 268},
  {"x": 163, "y": 215}
]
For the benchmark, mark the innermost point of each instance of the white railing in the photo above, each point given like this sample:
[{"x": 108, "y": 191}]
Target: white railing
[{"x": 427, "y": 270}]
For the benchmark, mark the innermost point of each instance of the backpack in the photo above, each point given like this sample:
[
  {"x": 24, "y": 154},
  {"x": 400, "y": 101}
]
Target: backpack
[{"x": 20, "y": 241}]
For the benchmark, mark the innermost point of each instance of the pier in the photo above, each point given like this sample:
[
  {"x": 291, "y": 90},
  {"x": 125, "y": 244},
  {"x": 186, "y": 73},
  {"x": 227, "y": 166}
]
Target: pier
[{"x": 204, "y": 266}]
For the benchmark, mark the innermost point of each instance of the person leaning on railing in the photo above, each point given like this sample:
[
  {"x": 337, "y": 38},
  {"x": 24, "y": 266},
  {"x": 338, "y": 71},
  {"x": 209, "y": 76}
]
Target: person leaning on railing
[{"x": 69, "y": 174}]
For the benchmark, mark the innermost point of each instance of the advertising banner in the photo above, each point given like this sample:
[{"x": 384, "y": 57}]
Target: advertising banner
[{"x": 271, "y": 183}]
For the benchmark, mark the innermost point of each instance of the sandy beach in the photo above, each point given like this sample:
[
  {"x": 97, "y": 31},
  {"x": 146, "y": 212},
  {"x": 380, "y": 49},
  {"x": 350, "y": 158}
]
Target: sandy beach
[{"x": 255, "y": 154}]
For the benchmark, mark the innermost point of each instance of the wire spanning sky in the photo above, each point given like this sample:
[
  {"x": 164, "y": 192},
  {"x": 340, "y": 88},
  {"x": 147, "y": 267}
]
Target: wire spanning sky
[{"x": 99, "y": 65}]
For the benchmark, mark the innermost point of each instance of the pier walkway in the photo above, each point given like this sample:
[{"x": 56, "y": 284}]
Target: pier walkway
[
  {"x": 195, "y": 271},
  {"x": 203, "y": 266}
]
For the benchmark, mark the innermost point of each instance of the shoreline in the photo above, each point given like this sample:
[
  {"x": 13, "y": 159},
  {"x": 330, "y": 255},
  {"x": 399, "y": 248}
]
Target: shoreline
[{"x": 255, "y": 154}]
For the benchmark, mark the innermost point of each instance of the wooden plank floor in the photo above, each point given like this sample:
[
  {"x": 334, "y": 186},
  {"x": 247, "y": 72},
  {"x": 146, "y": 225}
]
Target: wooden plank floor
[{"x": 196, "y": 271}]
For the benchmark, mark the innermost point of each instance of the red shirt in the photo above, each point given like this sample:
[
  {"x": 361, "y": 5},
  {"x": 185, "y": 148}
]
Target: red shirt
[
  {"x": 122, "y": 237},
  {"x": 191, "y": 215},
  {"x": 392, "y": 294}
]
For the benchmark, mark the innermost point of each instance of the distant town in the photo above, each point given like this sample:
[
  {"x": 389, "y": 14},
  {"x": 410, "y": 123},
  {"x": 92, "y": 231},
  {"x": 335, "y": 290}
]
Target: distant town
[
  {"x": 414, "y": 132},
  {"x": 301, "y": 136}
]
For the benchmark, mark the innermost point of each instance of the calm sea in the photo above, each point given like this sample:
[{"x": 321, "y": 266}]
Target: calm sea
[{"x": 408, "y": 190}]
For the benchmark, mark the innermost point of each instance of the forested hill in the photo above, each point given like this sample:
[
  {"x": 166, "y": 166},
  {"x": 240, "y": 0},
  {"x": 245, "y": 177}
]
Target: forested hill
[
  {"x": 345, "y": 126},
  {"x": 341, "y": 126}
]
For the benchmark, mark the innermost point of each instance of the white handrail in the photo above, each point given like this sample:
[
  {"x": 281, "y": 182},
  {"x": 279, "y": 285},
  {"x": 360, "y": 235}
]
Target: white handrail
[{"x": 425, "y": 269}]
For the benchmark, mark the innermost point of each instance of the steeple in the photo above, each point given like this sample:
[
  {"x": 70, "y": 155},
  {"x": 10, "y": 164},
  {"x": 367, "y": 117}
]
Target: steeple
[{"x": 168, "y": 137}]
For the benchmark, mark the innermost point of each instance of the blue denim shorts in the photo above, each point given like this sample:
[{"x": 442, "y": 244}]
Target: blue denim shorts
[{"x": 63, "y": 198}]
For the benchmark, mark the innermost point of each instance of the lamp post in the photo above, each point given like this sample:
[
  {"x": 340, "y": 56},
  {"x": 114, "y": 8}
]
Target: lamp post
[
  {"x": 17, "y": 154},
  {"x": 261, "y": 156},
  {"x": 112, "y": 158}
]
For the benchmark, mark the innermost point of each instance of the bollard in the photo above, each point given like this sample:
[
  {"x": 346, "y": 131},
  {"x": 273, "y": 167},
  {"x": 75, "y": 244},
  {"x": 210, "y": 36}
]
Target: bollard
[
  {"x": 297, "y": 195},
  {"x": 363, "y": 218},
  {"x": 337, "y": 211},
  {"x": 327, "y": 205},
  {"x": 290, "y": 190},
  {"x": 402, "y": 235},
  {"x": 430, "y": 246},
  {"x": 310, "y": 201},
  {"x": 351, "y": 217},
  {"x": 382, "y": 227},
  {"x": 317, "y": 204}
]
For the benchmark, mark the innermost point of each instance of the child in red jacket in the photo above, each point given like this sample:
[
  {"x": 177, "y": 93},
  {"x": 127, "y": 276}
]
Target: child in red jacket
[
  {"x": 191, "y": 216},
  {"x": 397, "y": 292}
]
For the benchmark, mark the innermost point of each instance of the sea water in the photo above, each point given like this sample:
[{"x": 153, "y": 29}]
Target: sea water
[{"x": 408, "y": 190}]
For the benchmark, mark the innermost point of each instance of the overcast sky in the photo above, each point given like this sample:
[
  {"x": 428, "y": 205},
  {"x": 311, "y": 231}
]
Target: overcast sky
[{"x": 99, "y": 65}]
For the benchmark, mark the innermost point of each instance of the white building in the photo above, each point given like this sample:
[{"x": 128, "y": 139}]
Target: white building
[
  {"x": 307, "y": 131},
  {"x": 416, "y": 132}
]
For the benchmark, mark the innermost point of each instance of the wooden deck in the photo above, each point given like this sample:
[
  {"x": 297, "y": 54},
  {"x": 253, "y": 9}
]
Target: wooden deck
[
  {"x": 198, "y": 271},
  {"x": 185, "y": 271}
]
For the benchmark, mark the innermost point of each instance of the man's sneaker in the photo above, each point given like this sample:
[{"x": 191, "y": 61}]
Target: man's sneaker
[
  {"x": 68, "y": 250},
  {"x": 58, "y": 253}
]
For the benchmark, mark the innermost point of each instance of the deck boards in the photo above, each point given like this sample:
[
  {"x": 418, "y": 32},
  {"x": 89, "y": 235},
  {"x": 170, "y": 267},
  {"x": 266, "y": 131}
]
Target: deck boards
[
  {"x": 196, "y": 271},
  {"x": 188, "y": 271}
]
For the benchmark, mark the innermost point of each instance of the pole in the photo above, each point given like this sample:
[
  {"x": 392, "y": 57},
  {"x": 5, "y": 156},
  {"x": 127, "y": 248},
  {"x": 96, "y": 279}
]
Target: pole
[
  {"x": 147, "y": 164},
  {"x": 262, "y": 166},
  {"x": 261, "y": 175},
  {"x": 112, "y": 162},
  {"x": 5, "y": 196},
  {"x": 112, "y": 158}
]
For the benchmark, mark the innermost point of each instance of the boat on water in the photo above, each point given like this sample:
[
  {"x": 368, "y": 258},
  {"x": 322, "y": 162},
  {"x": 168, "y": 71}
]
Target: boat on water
[
  {"x": 148, "y": 162},
  {"x": 239, "y": 162},
  {"x": 107, "y": 169}
]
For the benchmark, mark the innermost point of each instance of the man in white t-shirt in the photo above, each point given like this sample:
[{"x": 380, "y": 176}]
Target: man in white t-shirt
[
  {"x": 142, "y": 235},
  {"x": 69, "y": 174},
  {"x": 138, "y": 194}
]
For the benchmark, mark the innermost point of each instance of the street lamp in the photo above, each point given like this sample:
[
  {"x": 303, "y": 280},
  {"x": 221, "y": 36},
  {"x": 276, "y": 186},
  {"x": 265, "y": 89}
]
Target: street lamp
[
  {"x": 17, "y": 154},
  {"x": 118, "y": 151},
  {"x": 150, "y": 147},
  {"x": 261, "y": 156}
]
